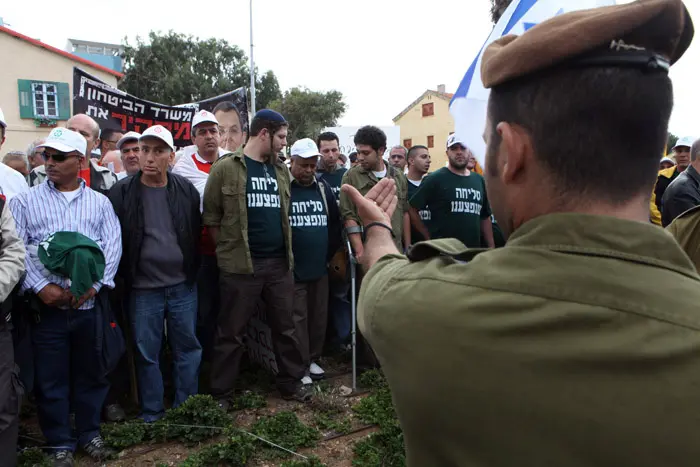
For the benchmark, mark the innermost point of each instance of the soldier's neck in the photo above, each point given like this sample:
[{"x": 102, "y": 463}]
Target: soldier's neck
[
  {"x": 414, "y": 175},
  {"x": 635, "y": 210}
]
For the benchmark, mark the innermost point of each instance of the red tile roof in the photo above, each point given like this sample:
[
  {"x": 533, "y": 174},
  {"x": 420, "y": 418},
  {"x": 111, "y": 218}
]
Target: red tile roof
[{"x": 60, "y": 52}]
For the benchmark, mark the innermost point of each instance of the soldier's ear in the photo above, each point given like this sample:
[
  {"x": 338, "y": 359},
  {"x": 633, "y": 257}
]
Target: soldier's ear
[{"x": 514, "y": 150}]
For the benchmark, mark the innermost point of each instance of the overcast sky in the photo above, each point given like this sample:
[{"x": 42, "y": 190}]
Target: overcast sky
[{"x": 381, "y": 54}]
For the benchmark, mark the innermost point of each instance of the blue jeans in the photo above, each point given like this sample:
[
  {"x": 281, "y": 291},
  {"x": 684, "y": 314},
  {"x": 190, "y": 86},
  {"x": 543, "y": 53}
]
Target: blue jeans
[
  {"x": 150, "y": 308},
  {"x": 340, "y": 312},
  {"x": 67, "y": 375}
]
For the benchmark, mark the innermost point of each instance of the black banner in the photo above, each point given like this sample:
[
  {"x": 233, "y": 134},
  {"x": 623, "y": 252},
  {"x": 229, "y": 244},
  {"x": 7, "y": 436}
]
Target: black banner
[{"x": 113, "y": 108}]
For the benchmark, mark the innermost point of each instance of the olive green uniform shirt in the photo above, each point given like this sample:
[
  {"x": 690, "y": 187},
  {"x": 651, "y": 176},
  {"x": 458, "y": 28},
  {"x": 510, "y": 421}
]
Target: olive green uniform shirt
[
  {"x": 225, "y": 206},
  {"x": 686, "y": 230},
  {"x": 576, "y": 344},
  {"x": 363, "y": 180}
]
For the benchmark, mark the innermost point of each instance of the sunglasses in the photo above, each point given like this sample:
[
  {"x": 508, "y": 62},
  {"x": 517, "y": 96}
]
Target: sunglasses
[{"x": 57, "y": 157}]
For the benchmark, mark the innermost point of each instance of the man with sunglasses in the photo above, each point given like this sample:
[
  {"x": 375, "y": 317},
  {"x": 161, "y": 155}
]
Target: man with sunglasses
[
  {"x": 128, "y": 146},
  {"x": 246, "y": 208},
  {"x": 68, "y": 372},
  {"x": 99, "y": 178},
  {"x": 160, "y": 221}
]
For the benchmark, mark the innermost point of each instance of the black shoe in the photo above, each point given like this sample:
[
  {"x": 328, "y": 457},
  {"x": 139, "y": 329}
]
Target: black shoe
[
  {"x": 302, "y": 394},
  {"x": 114, "y": 413},
  {"x": 97, "y": 450},
  {"x": 63, "y": 459}
]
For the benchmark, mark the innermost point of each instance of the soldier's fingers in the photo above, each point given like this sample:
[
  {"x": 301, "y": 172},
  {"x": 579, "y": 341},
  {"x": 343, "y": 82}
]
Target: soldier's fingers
[
  {"x": 387, "y": 190},
  {"x": 391, "y": 207}
]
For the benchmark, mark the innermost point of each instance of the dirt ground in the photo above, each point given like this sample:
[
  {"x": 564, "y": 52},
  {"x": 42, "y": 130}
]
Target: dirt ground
[{"x": 333, "y": 449}]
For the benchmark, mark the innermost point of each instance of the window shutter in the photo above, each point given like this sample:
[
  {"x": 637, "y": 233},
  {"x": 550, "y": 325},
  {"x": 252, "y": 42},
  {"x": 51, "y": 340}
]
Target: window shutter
[
  {"x": 26, "y": 109},
  {"x": 64, "y": 100}
]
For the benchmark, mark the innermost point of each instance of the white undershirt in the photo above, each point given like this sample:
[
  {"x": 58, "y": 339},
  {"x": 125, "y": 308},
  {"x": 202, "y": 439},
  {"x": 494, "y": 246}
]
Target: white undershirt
[
  {"x": 381, "y": 174},
  {"x": 70, "y": 195},
  {"x": 415, "y": 182}
]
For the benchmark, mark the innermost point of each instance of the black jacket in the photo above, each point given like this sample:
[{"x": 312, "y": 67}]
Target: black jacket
[
  {"x": 682, "y": 194},
  {"x": 183, "y": 200}
]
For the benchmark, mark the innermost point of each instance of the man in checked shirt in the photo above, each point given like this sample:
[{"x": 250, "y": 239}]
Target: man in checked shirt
[{"x": 65, "y": 355}]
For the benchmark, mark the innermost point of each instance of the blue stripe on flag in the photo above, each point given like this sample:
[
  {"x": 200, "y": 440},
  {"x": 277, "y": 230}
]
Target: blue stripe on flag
[{"x": 518, "y": 14}]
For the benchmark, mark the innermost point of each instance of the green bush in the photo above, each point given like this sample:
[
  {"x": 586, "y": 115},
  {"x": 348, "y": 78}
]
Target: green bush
[
  {"x": 312, "y": 461},
  {"x": 123, "y": 435},
  {"x": 235, "y": 452},
  {"x": 249, "y": 400},
  {"x": 373, "y": 379},
  {"x": 286, "y": 430},
  {"x": 385, "y": 448},
  {"x": 33, "y": 457},
  {"x": 183, "y": 423}
]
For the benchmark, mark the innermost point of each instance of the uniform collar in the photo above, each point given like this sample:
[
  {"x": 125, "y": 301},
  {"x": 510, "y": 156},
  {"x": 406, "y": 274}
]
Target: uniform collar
[
  {"x": 603, "y": 236},
  {"x": 200, "y": 159}
]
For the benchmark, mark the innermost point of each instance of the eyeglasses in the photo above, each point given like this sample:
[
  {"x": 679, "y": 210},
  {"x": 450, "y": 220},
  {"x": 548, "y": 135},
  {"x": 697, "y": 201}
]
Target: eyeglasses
[
  {"x": 57, "y": 157},
  {"x": 135, "y": 150}
]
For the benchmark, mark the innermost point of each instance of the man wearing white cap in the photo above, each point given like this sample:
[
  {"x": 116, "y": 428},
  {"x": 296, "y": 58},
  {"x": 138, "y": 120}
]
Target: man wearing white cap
[
  {"x": 128, "y": 146},
  {"x": 684, "y": 192},
  {"x": 315, "y": 221},
  {"x": 457, "y": 201},
  {"x": 194, "y": 165},
  {"x": 160, "y": 221},
  {"x": 11, "y": 182},
  {"x": 681, "y": 153},
  {"x": 67, "y": 375}
]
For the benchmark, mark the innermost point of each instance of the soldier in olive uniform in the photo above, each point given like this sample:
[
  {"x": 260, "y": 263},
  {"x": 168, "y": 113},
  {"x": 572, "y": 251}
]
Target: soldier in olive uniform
[
  {"x": 686, "y": 230},
  {"x": 578, "y": 343}
]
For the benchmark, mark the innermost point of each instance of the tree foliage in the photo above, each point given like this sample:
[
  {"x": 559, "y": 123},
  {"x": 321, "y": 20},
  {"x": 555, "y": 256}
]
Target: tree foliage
[
  {"x": 671, "y": 141},
  {"x": 309, "y": 112},
  {"x": 498, "y": 7},
  {"x": 176, "y": 69}
]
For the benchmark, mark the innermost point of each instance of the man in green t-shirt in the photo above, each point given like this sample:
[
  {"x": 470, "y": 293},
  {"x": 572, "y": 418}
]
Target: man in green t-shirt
[
  {"x": 457, "y": 201},
  {"x": 418, "y": 165}
]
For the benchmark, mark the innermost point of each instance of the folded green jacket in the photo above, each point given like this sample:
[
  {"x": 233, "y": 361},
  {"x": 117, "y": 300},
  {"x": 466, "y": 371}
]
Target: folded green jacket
[{"x": 75, "y": 256}]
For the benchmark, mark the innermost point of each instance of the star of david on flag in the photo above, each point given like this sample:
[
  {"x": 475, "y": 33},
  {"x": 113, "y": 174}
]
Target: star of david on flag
[{"x": 468, "y": 106}]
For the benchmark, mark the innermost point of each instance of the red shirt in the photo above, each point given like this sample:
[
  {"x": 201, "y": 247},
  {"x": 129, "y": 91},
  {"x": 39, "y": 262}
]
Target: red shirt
[
  {"x": 206, "y": 245},
  {"x": 85, "y": 174}
]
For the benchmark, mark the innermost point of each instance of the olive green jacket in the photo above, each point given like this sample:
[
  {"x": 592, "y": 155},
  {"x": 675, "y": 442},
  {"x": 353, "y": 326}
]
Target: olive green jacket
[
  {"x": 576, "y": 344},
  {"x": 225, "y": 206},
  {"x": 686, "y": 230},
  {"x": 364, "y": 180}
]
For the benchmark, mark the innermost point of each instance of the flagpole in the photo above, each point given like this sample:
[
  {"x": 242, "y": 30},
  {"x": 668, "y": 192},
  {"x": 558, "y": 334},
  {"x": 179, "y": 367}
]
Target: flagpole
[{"x": 252, "y": 63}]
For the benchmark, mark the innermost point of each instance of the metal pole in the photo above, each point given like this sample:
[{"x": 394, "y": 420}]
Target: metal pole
[
  {"x": 353, "y": 282},
  {"x": 252, "y": 64}
]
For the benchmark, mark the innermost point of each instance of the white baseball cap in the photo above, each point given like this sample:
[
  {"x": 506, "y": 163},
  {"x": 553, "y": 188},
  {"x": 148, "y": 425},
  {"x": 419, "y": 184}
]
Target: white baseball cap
[
  {"x": 305, "y": 148},
  {"x": 454, "y": 139},
  {"x": 667, "y": 159},
  {"x": 203, "y": 116},
  {"x": 160, "y": 132},
  {"x": 2, "y": 119},
  {"x": 685, "y": 141},
  {"x": 130, "y": 136},
  {"x": 65, "y": 140}
]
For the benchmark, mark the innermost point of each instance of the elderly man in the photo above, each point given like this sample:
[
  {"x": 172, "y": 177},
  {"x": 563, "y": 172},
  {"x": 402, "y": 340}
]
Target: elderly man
[
  {"x": 315, "y": 222},
  {"x": 18, "y": 161},
  {"x": 681, "y": 153},
  {"x": 230, "y": 125},
  {"x": 11, "y": 269},
  {"x": 66, "y": 359},
  {"x": 128, "y": 147},
  {"x": 35, "y": 153},
  {"x": 684, "y": 192},
  {"x": 195, "y": 165},
  {"x": 160, "y": 221},
  {"x": 99, "y": 178},
  {"x": 398, "y": 157},
  {"x": 456, "y": 198},
  {"x": 246, "y": 208},
  {"x": 11, "y": 182},
  {"x": 576, "y": 343}
]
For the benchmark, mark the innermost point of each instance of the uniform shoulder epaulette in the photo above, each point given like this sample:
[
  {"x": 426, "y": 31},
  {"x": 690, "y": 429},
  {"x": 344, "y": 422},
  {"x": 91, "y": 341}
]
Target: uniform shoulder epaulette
[{"x": 443, "y": 247}]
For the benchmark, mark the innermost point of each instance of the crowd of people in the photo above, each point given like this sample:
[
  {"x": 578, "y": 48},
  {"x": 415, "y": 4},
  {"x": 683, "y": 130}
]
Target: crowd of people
[{"x": 575, "y": 343}]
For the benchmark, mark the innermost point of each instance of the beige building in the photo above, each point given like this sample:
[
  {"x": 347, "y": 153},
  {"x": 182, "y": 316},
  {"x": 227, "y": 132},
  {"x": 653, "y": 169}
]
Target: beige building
[
  {"x": 36, "y": 87},
  {"x": 427, "y": 121}
]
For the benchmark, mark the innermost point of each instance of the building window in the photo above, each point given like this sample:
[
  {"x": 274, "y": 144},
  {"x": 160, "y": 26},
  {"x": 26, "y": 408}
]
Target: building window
[
  {"x": 407, "y": 143},
  {"x": 428, "y": 109},
  {"x": 431, "y": 141},
  {"x": 44, "y": 99}
]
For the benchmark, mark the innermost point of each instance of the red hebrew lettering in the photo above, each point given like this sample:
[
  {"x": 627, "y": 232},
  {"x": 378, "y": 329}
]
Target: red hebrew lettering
[
  {"x": 131, "y": 119},
  {"x": 182, "y": 130},
  {"x": 146, "y": 122},
  {"x": 120, "y": 117}
]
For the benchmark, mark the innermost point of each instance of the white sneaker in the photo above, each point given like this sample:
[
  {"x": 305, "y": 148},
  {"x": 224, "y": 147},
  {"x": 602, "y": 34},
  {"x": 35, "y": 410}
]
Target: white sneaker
[
  {"x": 316, "y": 371},
  {"x": 306, "y": 381}
]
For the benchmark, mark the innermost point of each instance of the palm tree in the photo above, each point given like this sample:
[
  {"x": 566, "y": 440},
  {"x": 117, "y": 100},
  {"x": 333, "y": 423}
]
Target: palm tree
[{"x": 498, "y": 7}]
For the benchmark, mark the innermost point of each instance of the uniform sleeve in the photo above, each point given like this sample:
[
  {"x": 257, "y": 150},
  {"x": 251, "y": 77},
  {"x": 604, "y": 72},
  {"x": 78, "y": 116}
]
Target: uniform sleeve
[
  {"x": 348, "y": 210},
  {"x": 34, "y": 279},
  {"x": 420, "y": 198},
  {"x": 485, "y": 206},
  {"x": 213, "y": 210},
  {"x": 375, "y": 286},
  {"x": 405, "y": 204},
  {"x": 11, "y": 254},
  {"x": 111, "y": 244}
]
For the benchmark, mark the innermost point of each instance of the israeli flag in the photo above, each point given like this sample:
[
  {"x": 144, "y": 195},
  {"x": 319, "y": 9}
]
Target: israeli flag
[{"x": 468, "y": 106}]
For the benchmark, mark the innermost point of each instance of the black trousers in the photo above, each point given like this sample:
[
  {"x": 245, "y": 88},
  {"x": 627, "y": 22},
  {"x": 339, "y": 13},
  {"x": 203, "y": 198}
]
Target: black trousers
[{"x": 11, "y": 392}]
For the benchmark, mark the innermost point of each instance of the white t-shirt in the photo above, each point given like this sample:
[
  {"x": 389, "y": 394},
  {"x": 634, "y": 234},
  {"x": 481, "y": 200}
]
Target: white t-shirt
[
  {"x": 381, "y": 174},
  {"x": 12, "y": 182},
  {"x": 415, "y": 182},
  {"x": 70, "y": 195}
]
